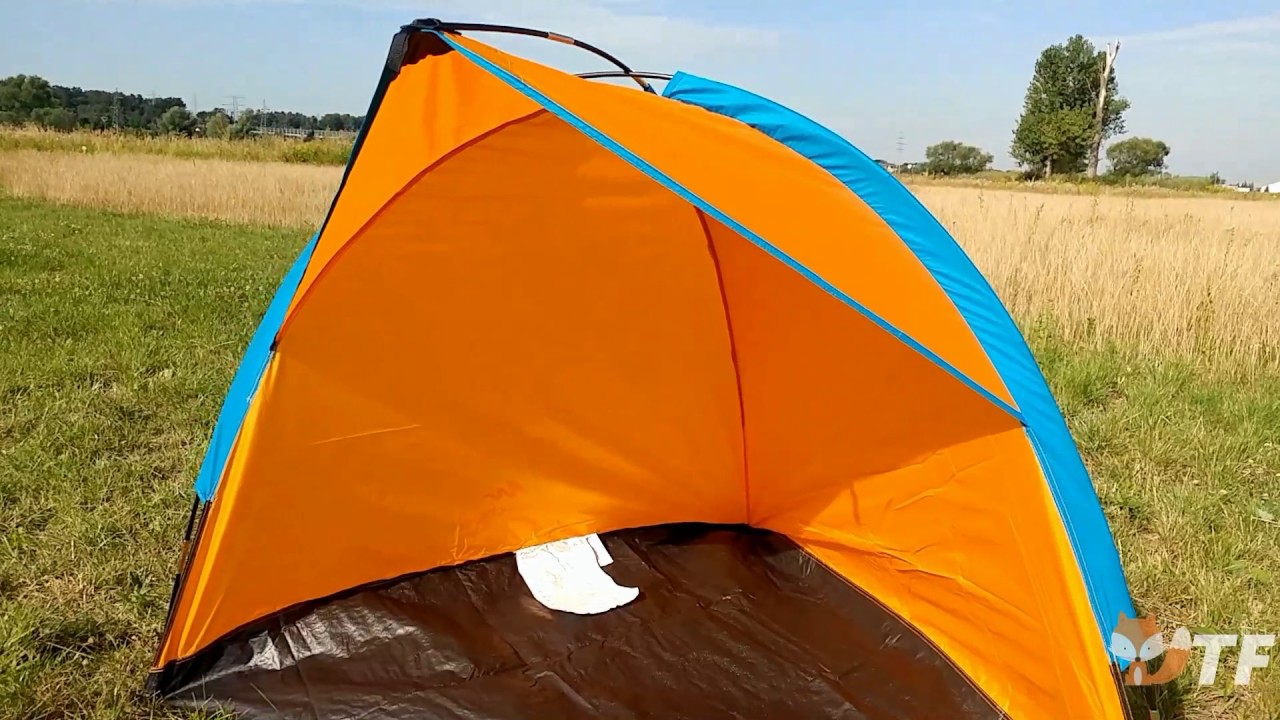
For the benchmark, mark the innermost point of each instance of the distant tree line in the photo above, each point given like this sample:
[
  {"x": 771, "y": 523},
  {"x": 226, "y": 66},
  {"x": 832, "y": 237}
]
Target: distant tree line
[
  {"x": 30, "y": 99},
  {"x": 1067, "y": 114}
]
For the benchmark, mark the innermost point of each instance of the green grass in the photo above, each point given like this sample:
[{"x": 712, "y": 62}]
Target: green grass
[
  {"x": 1187, "y": 465},
  {"x": 118, "y": 338}
]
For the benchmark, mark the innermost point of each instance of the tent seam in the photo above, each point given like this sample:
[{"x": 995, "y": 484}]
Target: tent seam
[
  {"x": 733, "y": 357},
  {"x": 411, "y": 183}
]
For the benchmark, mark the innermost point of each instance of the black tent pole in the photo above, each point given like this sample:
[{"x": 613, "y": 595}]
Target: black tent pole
[
  {"x": 458, "y": 27},
  {"x": 619, "y": 73}
]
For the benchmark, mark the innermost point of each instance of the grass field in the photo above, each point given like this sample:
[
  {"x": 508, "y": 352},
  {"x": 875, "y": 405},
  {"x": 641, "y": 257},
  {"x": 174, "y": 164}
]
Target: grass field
[
  {"x": 1155, "y": 321},
  {"x": 336, "y": 152},
  {"x": 1188, "y": 277},
  {"x": 261, "y": 193},
  {"x": 118, "y": 336},
  {"x": 255, "y": 149}
]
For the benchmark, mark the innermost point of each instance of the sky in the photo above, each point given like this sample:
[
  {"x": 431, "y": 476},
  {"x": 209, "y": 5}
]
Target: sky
[{"x": 1202, "y": 76}]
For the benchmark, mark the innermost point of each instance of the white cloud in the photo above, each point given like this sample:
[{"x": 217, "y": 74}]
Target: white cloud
[{"x": 1240, "y": 33}]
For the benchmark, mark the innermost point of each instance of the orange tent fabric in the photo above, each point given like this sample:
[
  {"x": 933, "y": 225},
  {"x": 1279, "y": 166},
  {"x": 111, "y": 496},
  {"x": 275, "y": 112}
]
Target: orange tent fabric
[{"x": 509, "y": 333}]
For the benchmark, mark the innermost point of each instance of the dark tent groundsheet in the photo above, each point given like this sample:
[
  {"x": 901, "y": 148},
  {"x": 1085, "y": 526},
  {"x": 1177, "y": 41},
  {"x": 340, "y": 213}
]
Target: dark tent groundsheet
[{"x": 731, "y": 623}]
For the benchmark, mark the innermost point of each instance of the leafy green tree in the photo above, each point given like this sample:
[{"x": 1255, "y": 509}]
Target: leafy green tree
[
  {"x": 217, "y": 126},
  {"x": 22, "y": 95},
  {"x": 175, "y": 120},
  {"x": 1137, "y": 156},
  {"x": 59, "y": 119},
  {"x": 1054, "y": 141},
  {"x": 244, "y": 124},
  {"x": 333, "y": 121},
  {"x": 955, "y": 158},
  {"x": 1058, "y": 115}
]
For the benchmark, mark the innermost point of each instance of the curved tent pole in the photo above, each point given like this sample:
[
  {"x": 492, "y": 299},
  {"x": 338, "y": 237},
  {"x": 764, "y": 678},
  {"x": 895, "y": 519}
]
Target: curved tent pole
[
  {"x": 619, "y": 73},
  {"x": 458, "y": 27}
]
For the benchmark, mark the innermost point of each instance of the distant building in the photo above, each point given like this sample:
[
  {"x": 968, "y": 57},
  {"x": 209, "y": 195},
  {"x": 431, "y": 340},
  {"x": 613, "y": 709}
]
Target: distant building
[
  {"x": 902, "y": 168},
  {"x": 891, "y": 167},
  {"x": 1272, "y": 188}
]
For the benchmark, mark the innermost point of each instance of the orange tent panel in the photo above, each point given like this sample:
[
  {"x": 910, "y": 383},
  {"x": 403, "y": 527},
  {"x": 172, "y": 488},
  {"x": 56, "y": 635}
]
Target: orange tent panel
[{"x": 511, "y": 331}]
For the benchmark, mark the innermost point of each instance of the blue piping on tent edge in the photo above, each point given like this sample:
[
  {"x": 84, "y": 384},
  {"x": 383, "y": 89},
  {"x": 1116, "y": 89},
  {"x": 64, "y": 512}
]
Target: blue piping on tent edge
[
  {"x": 244, "y": 384},
  {"x": 640, "y": 164}
]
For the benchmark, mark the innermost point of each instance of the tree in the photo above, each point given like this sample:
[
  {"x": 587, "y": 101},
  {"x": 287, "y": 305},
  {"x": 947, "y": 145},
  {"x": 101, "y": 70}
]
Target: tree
[
  {"x": 59, "y": 119},
  {"x": 22, "y": 95},
  {"x": 175, "y": 120},
  {"x": 1060, "y": 113},
  {"x": 244, "y": 124},
  {"x": 955, "y": 158},
  {"x": 1137, "y": 156},
  {"x": 217, "y": 126},
  {"x": 1099, "y": 118},
  {"x": 332, "y": 121},
  {"x": 1057, "y": 141}
]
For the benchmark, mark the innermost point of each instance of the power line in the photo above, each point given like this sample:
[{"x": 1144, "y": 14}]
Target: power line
[{"x": 235, "y": 105}]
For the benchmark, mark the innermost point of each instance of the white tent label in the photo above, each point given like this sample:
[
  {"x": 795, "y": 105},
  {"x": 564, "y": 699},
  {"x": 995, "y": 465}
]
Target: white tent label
[{"x": 567, "y": 575}]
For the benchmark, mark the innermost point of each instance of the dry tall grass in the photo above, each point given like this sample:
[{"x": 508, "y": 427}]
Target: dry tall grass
[
  {"x": 1194, "y": 277},
  {"x": 276, "y": 194},
  {"x": 261, "y": 149},
  {"x": 1191, "y": 277}
]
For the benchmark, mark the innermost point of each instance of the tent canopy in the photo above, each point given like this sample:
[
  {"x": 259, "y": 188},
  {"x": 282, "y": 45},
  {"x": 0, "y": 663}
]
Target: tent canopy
[{"x": 542, "y": 307}]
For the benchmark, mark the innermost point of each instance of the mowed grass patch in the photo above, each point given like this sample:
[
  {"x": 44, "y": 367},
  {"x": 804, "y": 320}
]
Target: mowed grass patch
[{"x": 118, "y": 337}]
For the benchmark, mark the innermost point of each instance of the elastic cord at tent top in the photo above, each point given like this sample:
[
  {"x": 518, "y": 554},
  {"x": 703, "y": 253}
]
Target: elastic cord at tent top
[{"x": 457, "y": 27}]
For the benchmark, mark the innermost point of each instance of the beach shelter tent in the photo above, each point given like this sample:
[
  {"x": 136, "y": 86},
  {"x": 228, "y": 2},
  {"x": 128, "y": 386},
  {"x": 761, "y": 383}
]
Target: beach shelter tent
[{"x": 696, "y": 323}]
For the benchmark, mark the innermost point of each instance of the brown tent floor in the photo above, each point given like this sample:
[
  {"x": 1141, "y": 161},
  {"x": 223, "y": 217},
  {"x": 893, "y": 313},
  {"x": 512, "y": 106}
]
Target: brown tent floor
[{"x": 731, "y": 623}]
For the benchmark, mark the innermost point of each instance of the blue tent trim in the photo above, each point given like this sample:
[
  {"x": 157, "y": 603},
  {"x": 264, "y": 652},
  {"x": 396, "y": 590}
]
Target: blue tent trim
[
  {"x": 254, "y": 363},
  {"x": 643, "y": 166},
  {"x": 977, "y": 303},
  {"x": 247, "y": 377}
]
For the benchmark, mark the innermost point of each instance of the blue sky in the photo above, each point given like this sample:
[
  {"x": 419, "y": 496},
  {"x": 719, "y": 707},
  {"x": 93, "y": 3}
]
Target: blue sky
[{"x": 1202, "y": 76}]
